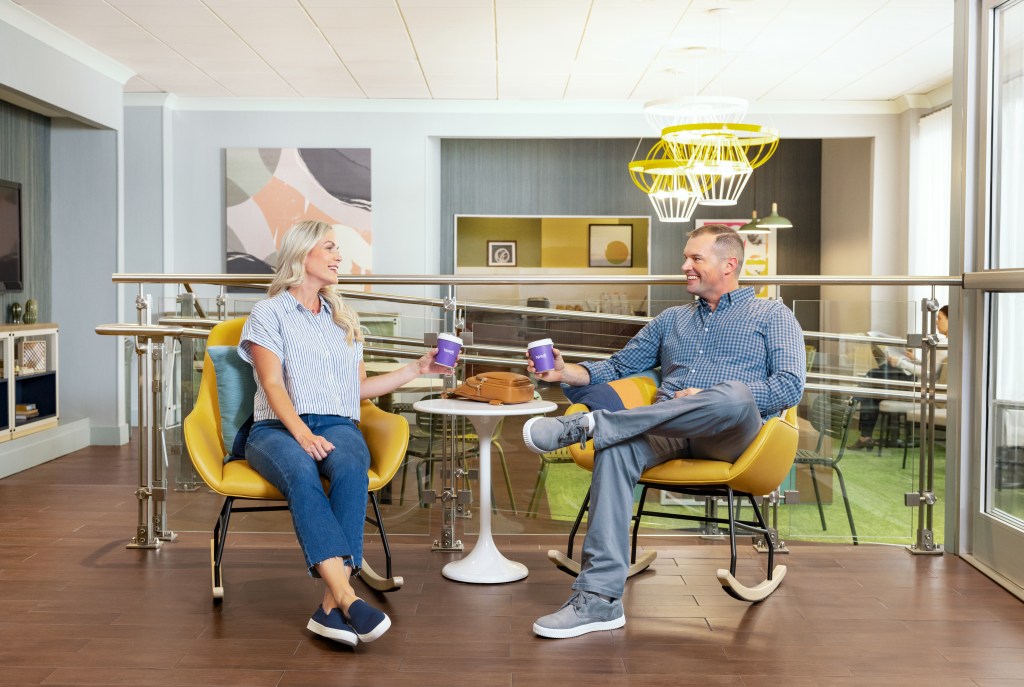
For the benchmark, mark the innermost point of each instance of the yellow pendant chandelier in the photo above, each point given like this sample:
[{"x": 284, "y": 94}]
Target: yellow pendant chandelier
[{"x": 706, "y": 163}]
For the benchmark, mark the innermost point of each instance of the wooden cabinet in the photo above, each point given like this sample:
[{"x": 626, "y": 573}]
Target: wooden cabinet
[{"x": 28, "y": 379}]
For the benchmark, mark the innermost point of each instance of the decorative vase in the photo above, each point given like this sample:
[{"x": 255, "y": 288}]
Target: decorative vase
[
  {"x": 31, "y": 311},
  {"x": 15, "y": 311}
]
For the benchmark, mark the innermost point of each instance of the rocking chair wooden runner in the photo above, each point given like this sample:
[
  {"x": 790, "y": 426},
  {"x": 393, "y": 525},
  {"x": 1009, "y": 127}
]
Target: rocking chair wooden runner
[
  {"x": 758, "y": 471},
  {"x": 208, "y": 434}
]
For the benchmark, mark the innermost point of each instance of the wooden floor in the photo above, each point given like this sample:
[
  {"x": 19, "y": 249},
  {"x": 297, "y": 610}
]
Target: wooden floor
[{"x": 78, "y": 608}]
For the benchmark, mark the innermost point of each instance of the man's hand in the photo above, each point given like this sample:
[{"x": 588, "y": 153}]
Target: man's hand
[
  {"x": 554, "y": 375},
  {"x": 688, "y": 392}
]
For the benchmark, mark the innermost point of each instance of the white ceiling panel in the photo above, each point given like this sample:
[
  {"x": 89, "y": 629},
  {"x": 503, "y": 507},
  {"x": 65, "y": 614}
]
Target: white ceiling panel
[
  {"x": 324, "y": 82},
  {"x": 217, "y": 4},
  {"x": 343, "y": 3},
  {"x": 66, "y": 16},
  {"x": 445, "y": 33},
  {"x": 596, "y": 86},
  {"x": 902, "y": 74},
  {"x": 531, "y": 86},
  {"x": 455, "y": 87},
  {"x": 398, "y": 79},
  {"x": 540, "y": 33},
  {"x": 445, "y": 4},
  {"x": 187, "y": 83},
  {"x": 155, "y": 3},
  {"x": 354, "y": 18},
  {"x": 371, "y": 44},
  {"x": 61, "y": 3},
  {"x": 156, "y": 17},
  {"x": 283, "y": 18},
  {"x": 256, "y": 85},
  {"x": 792, "y": 50}
]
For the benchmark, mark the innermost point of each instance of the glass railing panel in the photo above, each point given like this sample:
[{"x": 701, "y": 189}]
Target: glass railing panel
[
  {"x": 542, "y": 494},
  {"x": 386, "y": 326},
  {"x": 860, "y": 418}
]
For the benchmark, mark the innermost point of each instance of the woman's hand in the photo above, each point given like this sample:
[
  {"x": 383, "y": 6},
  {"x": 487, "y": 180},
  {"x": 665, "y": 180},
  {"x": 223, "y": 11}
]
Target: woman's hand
[
  {"x": 315, "y": 445},
  {"x": 425, "y": 365}
]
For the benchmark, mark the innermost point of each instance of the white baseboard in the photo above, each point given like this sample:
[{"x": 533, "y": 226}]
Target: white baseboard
[
  {"x": 35, "y": 449},
  {"x": 107, "y": 435}
]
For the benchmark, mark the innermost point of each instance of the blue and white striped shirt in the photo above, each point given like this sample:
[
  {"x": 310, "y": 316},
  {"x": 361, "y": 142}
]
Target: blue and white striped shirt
[
  {"x": 746, "y": 339},
  {"x": 321, "y": 369}
]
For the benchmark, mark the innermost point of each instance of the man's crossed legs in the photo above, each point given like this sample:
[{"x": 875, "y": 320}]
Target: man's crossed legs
[{"x": 717, "y": 423}]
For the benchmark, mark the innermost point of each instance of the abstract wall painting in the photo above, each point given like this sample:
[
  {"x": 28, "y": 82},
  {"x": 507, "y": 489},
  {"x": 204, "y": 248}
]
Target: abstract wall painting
[{"x": 269, "y": 189}]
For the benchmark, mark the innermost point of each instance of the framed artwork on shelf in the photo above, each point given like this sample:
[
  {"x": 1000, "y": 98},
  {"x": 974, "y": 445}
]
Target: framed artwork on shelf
[
  {"x": 501, "y": 254},
  {"x": 611, "y": 245}
]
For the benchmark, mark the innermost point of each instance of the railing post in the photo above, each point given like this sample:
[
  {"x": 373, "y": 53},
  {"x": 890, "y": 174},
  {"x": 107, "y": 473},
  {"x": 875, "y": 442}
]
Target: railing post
[
  {"x": 453, "y": 503},
  {"x": 924, "y": 498}
]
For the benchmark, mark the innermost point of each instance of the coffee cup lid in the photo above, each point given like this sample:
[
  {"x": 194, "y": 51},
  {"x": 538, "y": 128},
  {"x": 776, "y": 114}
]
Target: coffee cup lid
[
  {"x": 450, "y": 337},
  {"x": 540, "y": 342}
]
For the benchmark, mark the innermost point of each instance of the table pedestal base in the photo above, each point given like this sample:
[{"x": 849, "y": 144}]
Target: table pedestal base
[{"x": 485, "y": 565}]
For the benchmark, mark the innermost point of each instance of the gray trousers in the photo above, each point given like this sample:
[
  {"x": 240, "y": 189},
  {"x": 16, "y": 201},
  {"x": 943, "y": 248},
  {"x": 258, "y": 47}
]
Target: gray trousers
[{"x": 717, "y": 423}]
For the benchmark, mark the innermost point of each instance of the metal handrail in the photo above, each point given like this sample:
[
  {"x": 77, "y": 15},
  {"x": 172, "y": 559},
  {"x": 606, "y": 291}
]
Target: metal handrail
[{"x": 469, "y": 280}]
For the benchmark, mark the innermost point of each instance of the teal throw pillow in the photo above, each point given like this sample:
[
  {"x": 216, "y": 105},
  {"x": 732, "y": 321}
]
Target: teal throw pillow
[{"x": 236, "y": 388}]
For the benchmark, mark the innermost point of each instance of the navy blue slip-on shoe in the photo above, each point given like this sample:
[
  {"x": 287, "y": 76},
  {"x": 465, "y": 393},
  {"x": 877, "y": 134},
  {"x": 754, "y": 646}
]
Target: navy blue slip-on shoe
[
  {"x": 368, "y": 622},
  {"x": 332, "y": 626}
]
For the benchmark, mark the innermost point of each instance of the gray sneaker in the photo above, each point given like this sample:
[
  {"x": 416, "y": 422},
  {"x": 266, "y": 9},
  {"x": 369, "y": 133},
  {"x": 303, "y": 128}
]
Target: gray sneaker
[
  {"x": 544, "y": 434},
  {"x": 584, "y": 612}
]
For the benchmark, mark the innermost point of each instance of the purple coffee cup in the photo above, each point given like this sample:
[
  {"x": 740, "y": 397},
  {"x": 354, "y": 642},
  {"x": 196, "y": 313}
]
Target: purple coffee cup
[
  {"x": 542, "y": 355},
  {"x": 448, "y": 347}
]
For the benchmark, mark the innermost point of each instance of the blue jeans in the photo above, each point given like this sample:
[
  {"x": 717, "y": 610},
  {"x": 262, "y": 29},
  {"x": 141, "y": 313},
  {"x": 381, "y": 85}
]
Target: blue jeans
[
  {"x": 328, "y": 525},
  {"x": 718, "y": 423}
]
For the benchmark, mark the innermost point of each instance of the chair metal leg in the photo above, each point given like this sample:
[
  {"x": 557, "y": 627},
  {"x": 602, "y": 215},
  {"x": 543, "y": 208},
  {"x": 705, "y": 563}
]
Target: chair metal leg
[
  {"x": 846, "y": 501},
  {"x": 564, "y": 561},
  {"x": 220, "y": 537},
  {"x": 542, "y": 478},
  {"x": 727, "y": 578},
  {"x": 387, "y": 583},
  {"x": 817, "y": 497}
]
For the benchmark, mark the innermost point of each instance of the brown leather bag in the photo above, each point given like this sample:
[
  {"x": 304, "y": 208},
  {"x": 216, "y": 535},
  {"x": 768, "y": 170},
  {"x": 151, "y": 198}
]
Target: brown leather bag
[{"x": 496, "y": 388}]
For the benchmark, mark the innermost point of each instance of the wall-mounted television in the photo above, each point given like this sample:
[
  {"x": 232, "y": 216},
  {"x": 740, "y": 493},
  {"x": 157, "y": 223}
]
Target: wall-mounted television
[{"x": 10, "y": 236}]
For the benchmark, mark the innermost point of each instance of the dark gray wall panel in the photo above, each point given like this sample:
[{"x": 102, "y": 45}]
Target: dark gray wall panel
[
  {"x": 589, "y": 177},
  {"x": 25, "y": 158}
]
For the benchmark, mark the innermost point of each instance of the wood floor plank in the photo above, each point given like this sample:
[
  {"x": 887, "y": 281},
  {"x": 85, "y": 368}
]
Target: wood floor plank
[{"x": 78, "y": 608}]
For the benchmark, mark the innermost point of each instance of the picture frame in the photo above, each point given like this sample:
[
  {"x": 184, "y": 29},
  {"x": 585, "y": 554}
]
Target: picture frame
[
  {"x": 501, "y": 254},
  {"x": 611, "y": 245}
]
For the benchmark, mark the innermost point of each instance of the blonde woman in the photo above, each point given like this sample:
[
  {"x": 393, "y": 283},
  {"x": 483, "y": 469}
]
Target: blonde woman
[{"x": 306, "y": 349}]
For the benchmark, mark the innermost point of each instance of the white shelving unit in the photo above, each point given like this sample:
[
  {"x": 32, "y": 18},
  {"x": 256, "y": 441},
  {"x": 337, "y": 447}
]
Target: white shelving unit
[{"x": 29, "y": 399}]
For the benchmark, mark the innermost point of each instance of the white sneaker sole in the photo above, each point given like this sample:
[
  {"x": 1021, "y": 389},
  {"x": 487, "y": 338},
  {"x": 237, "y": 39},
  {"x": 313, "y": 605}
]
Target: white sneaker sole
[
  {"x": 570, "y": 632},
  {"x": 342, "y": 636},
  {"x": 382, "y": 627},
  {"x": 526, "y": 435}
]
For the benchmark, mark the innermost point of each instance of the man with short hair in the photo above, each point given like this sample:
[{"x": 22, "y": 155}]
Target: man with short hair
[{"x": 728, "y": 360}]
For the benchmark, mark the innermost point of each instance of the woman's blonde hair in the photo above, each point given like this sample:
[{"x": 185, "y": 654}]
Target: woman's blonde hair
[{"x": 298, "y": 243}]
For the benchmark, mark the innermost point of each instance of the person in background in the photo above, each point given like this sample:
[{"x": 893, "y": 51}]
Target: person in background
[
  {"x": 903, "y": 367},
  {"x": 728, "y": 362},
  {"x": 306, "y": 348}
]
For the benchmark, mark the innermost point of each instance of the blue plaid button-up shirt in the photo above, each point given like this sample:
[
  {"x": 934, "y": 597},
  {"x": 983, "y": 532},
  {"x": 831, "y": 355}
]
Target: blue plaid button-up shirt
[{"x": 746, "y": 339}]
